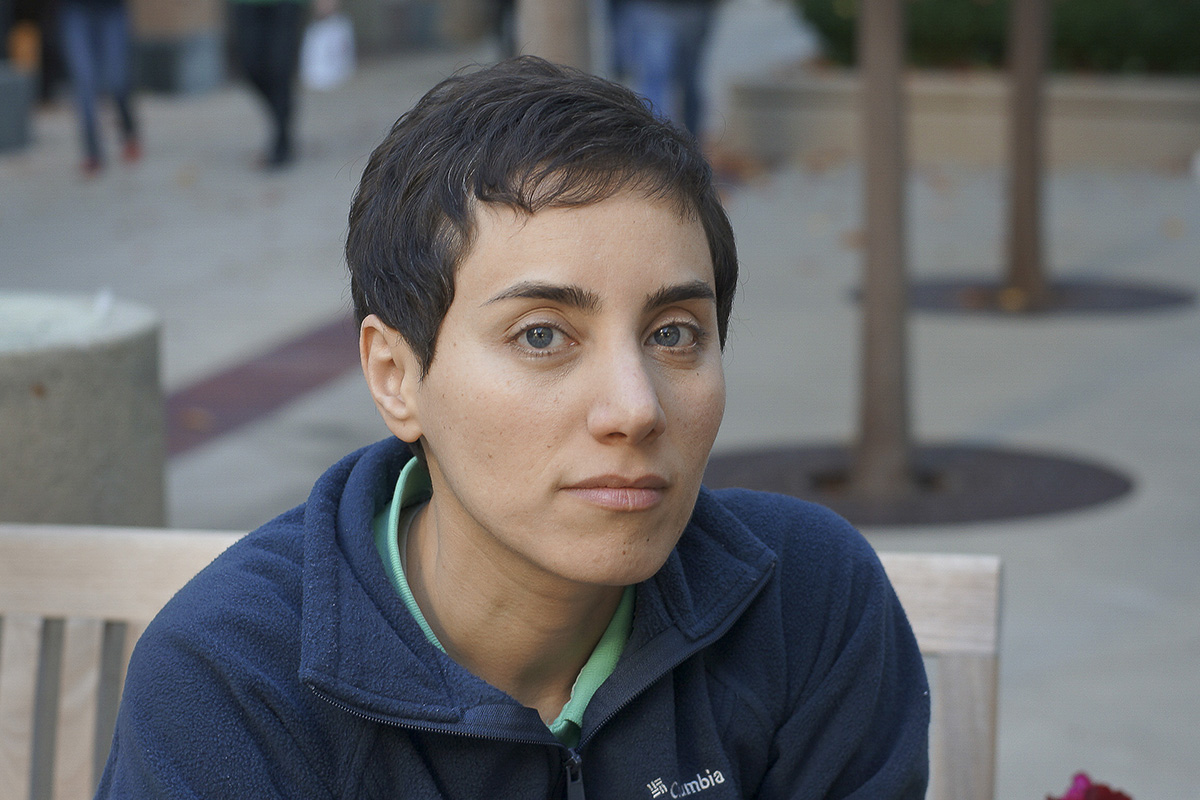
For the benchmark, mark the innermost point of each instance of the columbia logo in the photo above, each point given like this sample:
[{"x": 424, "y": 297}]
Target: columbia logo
[
  {"x": 700, "y": 783},
  {"x": 657, "y": 787}
]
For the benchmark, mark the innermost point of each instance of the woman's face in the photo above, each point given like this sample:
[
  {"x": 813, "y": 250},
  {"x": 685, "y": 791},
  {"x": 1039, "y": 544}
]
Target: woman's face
[{"x": 576, "y": 391}]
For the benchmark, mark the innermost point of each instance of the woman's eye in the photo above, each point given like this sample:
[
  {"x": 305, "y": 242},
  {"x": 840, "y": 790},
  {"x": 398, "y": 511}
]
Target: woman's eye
[
  {"x": 540, "y": 337},
  {"x": 673, "y": 336}
]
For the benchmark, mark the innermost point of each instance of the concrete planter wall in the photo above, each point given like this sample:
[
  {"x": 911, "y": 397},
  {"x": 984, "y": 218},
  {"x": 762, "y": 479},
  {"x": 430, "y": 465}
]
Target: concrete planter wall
[
  {"x": 962, "y": 118},
  {"x": 81, "y": 420}
]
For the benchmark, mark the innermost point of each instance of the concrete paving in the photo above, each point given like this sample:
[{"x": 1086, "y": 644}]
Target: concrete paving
[{"x": 1101, "y": 636}]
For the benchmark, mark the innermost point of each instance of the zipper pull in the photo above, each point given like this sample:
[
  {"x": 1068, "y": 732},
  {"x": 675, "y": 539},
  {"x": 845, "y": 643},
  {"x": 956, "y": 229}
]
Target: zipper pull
[{"x": 574, "y": 767}]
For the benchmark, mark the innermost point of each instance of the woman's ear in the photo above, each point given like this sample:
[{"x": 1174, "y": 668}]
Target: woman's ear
[{"x": 393, "y": 376}]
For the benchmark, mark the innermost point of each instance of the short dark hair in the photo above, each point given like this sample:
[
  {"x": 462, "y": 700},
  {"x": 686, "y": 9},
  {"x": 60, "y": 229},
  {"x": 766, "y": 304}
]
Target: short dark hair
[{"x": 525, "y": 134}]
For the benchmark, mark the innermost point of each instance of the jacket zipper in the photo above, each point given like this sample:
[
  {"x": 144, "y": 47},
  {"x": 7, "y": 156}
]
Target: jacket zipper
[
  {"x": 574, "y": 768},
  {"x": 573, "y": 763},
  {"x": 699, "y": 645}
]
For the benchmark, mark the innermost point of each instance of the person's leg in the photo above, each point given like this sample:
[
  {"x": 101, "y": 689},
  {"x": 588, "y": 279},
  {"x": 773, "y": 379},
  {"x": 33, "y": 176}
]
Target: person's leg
[
  {"x": 506, "y": 27},
  {"x": 649, "y": 36},
  {"x": 618, "y": 23},
  {"x": 114, "y": 47},
  {"x": 281, "y": 58},
  {"x": 694, "y": 22},
  {"x": 250, "y": 36},
  {"x": 78, "y": 45}
]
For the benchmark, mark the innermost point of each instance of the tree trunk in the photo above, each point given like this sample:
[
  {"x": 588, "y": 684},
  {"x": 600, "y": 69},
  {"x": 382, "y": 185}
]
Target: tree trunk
[
  {"x": 1026, "y": 286},
  {"x": 882, "y": 466},
  {"x": 556, "y": 30}
]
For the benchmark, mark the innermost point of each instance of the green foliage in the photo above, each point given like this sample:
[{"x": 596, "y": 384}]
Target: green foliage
[{"x": 1088, "y": 35}]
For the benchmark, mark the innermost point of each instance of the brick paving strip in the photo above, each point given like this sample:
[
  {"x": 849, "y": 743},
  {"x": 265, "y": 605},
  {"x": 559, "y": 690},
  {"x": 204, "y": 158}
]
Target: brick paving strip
[{"x": 235, "y": 397}]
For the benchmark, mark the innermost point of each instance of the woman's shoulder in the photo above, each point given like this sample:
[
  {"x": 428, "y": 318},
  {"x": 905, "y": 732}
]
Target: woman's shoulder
[{"x": 813, "y": 544}]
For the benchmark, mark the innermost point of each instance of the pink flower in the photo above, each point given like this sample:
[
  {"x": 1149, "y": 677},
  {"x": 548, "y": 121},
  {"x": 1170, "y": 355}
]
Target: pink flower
[{"x": 1082, "y": 788}]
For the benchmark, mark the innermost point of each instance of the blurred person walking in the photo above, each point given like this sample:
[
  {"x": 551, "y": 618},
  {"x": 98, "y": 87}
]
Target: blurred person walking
[
  {"x": 95, "y": 44},
  {"x": 504, "y": 24},
  {"x": 658, "y": 46},
  {"x": 266, "y": 37}
]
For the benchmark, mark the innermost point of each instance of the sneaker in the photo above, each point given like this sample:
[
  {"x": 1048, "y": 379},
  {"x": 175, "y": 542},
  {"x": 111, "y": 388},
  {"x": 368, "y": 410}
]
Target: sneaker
[
  {"x": 131, "y": 153},
  {"x": 91, "y": 168}
]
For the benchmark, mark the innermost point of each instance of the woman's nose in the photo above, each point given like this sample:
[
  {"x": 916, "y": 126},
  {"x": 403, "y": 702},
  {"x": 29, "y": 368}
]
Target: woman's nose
[{"x": 625, "y": 402}]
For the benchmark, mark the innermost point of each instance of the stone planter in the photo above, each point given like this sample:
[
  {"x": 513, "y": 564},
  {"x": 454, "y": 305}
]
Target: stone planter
[
  {"x": 962, "y": 118},
  {"x": 81, "y": 416}
]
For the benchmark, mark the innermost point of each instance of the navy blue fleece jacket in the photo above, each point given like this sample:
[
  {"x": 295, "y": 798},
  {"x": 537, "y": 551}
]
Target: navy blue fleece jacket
[{"x": 769, "y": 658}]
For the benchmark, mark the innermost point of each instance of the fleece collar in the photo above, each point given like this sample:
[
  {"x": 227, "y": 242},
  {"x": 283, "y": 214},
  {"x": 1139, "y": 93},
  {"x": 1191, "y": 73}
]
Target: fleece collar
[{"x": 362, "y": 649}]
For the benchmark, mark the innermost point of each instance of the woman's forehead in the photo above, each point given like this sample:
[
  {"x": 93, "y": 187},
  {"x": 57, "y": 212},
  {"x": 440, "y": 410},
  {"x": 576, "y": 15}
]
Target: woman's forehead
[{"x": 621, "y": 239}]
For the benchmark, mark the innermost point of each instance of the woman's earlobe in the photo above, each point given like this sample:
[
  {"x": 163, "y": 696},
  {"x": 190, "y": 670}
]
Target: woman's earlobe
[{"x": 392, "y": 374}]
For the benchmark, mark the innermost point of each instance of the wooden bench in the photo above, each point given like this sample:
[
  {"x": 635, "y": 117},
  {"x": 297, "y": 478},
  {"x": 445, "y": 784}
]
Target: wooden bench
[
  {"x": 953, "y": 605},
  {"x": 74, "y": 599}
]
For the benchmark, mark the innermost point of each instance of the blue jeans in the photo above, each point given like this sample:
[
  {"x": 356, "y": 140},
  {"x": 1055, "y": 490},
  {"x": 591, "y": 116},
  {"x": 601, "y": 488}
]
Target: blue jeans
[
  {"x": 95, "y": 42},
  {"x": 661, "y": 43}
]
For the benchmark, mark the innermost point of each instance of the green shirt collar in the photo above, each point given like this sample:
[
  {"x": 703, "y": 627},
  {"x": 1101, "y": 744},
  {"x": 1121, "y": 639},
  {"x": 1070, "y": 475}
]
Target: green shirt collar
[{"x": 391, "y": 528}]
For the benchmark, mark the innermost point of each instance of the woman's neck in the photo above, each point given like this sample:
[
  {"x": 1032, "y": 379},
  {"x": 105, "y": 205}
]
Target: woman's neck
[{"x": 523, "y": 631}]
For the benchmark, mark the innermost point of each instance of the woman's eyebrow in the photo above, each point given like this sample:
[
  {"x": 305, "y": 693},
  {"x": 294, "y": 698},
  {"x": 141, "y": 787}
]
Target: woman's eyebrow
[
  {"x": 567, "y": 295},
  {"x": 588, "y": 301},
  {"x": 693, "y": 290}
]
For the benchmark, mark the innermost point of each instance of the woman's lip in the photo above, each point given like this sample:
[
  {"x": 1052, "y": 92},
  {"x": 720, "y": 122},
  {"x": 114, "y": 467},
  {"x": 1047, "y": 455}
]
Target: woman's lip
[
  {"x": 618, "y": 498},
  {"x": 620, "y": 482}
]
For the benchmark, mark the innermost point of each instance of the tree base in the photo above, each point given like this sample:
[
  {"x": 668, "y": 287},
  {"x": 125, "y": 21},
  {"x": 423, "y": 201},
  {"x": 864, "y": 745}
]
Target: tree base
[
  {"x": 1075, "y": 296},
  {"x": 952, "y": 484}
]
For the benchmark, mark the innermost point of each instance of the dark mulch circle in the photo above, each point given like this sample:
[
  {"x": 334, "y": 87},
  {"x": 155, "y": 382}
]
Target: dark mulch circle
[
  {"x": 1073, "y": 296},
  {"x": 954, "y": 483}
]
